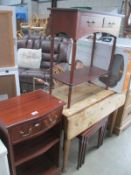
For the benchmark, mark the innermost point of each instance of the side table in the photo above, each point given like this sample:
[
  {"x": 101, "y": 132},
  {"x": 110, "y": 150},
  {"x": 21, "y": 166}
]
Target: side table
[
  {"x": 30, "y": 127},
  {"x": 90, "y": 105}
]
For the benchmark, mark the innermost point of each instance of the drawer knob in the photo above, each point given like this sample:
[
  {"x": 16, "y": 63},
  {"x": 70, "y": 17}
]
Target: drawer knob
[
  {"x": 111, "y": 23},
  {"x": 25, "y": 134},
  {"x": 7, "y": 71},
  {"x": 56, "y": 116},
  {"x": 36, "y": 125},
  {"x": 50, "y": 119}
]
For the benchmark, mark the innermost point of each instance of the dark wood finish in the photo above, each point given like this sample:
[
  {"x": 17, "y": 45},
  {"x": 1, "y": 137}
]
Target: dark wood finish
[
  {"x": 32, "y": 168},
  {"x": 54, "y": 3},
  {"x": 36, "y": 148},
  {"x": 82, "y": 22},
  {"x": 80, "y": 75},
  {"x": 84, "y": 136},
  {"x": 30, "y": 126}
]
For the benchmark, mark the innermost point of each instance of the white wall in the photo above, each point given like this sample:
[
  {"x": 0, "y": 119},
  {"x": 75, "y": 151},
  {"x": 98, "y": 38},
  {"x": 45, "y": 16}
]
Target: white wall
[
  {"x": 9, "y": 2},
  {"x": 99, "y": 5},
  {"x": 34, "y": 7},
  {"x": 41, "y": 8}
]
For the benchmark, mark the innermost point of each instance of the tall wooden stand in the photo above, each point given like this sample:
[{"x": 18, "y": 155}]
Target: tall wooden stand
[{"x": 77, "y": 23}]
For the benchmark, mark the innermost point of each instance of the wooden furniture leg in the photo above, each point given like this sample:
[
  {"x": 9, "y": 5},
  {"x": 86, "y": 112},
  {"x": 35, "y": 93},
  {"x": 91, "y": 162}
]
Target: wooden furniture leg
[
  {"x": 83, "y": 139},
  {"x": 113, "y": 120},
  {"x": 79, "y": 152},
  {"x": 102, "y": 132},
  {"x": 82, "y": 150},
  {"x": 66, "y": 153}
]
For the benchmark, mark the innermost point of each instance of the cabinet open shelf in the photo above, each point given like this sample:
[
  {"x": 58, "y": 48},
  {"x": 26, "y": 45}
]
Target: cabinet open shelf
[
  {"x": 80, "y": 75},
  {"x": 32, "y": 149},
  {"x": 39, "y": 166}
]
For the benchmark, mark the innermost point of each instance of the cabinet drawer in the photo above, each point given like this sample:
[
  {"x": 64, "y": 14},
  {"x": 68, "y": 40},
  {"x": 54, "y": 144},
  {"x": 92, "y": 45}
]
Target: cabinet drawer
[
  {"x": 111, "y": 22},
  {"x": 52, "y": 119},
  {"x": 91, "y": 21},
  {"x": 28, "y": 129},
  {"x": 25, "y": 130}
]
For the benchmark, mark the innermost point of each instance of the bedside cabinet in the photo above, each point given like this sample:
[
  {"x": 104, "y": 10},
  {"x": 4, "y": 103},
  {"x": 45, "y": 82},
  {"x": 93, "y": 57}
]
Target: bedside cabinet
[{"x": 31, "y": 129}]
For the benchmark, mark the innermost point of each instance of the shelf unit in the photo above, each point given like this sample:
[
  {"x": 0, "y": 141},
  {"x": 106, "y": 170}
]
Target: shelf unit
[
  {"x": 9, "y": 78},
  {"x": 31, "y": 130},
  {"x": 36, "y": 151},
  {"x": 82, "y": 22}
]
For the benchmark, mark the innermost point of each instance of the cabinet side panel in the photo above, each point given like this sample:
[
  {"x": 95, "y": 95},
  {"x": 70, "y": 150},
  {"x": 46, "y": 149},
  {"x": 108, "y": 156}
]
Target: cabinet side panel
[
  {"x": 7, "y": 85},
  {"x": 6, "y": 39}
]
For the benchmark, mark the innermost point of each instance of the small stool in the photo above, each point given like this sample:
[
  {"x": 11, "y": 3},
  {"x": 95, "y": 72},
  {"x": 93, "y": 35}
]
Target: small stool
[{"x": 84, "y": 136}]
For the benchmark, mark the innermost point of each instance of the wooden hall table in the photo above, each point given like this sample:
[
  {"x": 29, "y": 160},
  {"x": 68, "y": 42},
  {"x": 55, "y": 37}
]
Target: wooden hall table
[{"x": 90, "y": 104}]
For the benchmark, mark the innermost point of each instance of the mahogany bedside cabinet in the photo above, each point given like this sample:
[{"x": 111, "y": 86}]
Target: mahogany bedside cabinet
[{"x": 30, "y": 127}]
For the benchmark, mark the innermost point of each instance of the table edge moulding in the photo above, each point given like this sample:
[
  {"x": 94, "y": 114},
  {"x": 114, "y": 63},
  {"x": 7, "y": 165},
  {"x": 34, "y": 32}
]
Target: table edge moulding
[{"x": 77, "y": 23}]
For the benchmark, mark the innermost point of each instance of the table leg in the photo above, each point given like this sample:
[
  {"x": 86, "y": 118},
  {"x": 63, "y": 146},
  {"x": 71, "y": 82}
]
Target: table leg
[
  {"x": 113, "y": 121},
  {"x": 66, "y": 153}
]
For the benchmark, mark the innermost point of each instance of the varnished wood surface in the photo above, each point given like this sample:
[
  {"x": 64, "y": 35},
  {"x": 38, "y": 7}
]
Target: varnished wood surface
[
  {"x": 36, "y": 168},
  {"x": 80, "y": 75},
  {"x": 91, "y": 104},
  {"x": 91, "y": 115},
  {"x": 37, "y": 148},
  {"x": 83, "y": 22},
  {"x": 83, "y": 96},
  {"x": 19, "y": 109}
]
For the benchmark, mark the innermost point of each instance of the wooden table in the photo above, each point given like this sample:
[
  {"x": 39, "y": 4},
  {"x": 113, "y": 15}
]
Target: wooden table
[
  {"x": 90, "y": 104},
  {"x": 82, "y": 22},
  {"x": 30, "y": 127}
]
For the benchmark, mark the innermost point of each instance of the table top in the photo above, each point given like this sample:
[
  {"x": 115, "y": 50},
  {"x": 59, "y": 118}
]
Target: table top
[
  {"x": 27, "y": 107},
  {"x": 83, "y": 96},
  {"x": 90, "y": 104}
]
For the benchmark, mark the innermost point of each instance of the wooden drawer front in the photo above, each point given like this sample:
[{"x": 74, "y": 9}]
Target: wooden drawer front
[
  {"x": 52, "y": 119},
  {"x": 111, "y": 22},
  {"x": 91, "y": 21},
  {"x": 31, "y": 128},
  {"x": 25, "y": 130}
]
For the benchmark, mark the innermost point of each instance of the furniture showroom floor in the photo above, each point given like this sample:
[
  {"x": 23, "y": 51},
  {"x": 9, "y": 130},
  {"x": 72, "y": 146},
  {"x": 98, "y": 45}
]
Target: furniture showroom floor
[{"x": 112, "y": 158}]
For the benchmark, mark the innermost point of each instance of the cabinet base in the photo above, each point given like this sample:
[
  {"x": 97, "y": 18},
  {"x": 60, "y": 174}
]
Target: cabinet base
[{"x": 41, "y": 166}]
